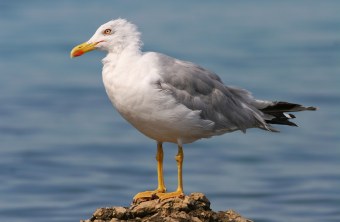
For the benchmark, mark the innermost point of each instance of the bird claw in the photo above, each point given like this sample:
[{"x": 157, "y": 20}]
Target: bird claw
[
  {"x": 145, "y": 196},
  {"x": 176, "y": 194}
]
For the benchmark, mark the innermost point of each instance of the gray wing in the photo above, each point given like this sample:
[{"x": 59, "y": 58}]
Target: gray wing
[{"x": 229, "y": 108}]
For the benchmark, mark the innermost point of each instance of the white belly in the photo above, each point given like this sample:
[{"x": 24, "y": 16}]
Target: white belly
[
  {"x": 130, "y": 85},
  {"x": 156, "y": 114}
]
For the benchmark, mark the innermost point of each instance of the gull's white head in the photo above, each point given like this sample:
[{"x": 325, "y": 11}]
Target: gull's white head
[{"x": 113, "y": 36}]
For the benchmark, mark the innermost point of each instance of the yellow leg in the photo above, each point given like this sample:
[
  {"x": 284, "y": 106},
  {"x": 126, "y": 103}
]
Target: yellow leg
[
  {"x": 161, "y": 187},
  {"x": 159, "y": 157},
  {"x": 179, "y": 192}
]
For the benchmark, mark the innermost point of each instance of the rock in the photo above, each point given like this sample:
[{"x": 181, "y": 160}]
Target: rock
[
  {"x": 119, "y": 212},
  {"x": 192, "y": 208}
]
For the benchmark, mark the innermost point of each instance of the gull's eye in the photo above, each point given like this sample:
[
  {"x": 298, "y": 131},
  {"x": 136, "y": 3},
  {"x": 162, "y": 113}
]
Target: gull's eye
[{"x": 107, "y": 31}]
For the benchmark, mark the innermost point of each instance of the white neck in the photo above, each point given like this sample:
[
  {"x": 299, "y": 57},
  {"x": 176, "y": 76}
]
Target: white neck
[
  {"x": 116, "y": 72},
  {"x": 113, "y": 57}
]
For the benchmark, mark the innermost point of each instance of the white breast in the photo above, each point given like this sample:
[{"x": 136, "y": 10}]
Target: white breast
[{"x": 156, "y": 114}]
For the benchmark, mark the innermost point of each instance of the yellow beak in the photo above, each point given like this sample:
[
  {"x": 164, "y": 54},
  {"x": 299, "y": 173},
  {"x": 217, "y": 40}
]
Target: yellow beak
[{"x": 83, "y": 48}]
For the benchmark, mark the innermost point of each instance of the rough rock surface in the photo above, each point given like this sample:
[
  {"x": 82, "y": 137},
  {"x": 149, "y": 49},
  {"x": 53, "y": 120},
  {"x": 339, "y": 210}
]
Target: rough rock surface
[{"x": 195, "y": 207}]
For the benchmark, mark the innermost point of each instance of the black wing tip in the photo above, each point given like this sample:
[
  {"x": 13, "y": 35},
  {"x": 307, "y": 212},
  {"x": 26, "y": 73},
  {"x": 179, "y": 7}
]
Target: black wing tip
[
  {"x": 280, "y": 106},
  {"x": 279, "y": 110},
  {"x": 312, "y": 108},
  {"x": 281, "y": 122}
]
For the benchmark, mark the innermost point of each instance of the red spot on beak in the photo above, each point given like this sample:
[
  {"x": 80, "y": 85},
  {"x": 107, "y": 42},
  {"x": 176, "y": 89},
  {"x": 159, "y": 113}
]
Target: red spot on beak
[{"x": 78, "y": 53}]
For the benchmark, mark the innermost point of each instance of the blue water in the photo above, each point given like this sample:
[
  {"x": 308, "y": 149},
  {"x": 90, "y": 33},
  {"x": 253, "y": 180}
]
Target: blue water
[{"x": 64, "y": 151}]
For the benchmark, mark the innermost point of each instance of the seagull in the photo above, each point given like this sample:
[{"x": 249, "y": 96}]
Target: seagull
[{"x": 175, "y": 101}]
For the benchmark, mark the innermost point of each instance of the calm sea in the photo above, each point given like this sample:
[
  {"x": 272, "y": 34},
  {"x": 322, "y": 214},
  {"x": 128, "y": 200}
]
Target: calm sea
[{"x": 64, "y": 151}]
